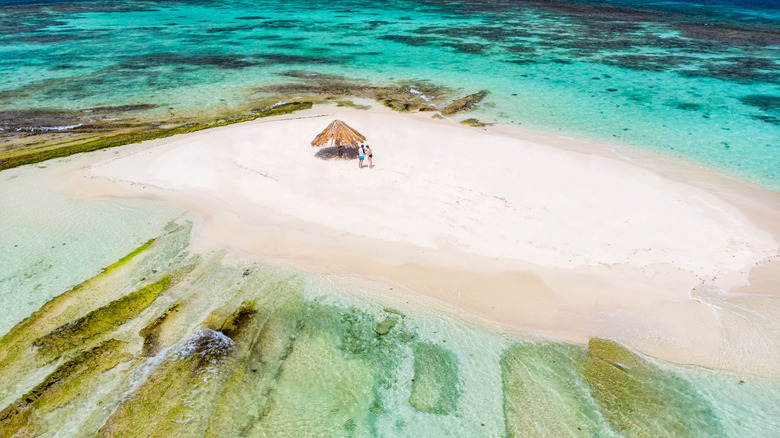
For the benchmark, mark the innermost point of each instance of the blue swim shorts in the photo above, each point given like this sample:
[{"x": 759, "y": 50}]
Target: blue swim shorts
[{"x": 361, "y": 158}]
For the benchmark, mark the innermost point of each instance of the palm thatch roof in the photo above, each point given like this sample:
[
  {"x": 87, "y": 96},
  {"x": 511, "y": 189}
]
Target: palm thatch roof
[{"x": 340, "y": 134}]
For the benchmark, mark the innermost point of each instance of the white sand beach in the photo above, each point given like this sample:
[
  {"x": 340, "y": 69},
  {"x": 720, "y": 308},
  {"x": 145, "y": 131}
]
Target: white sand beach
[{"x": 527, "y": 232}]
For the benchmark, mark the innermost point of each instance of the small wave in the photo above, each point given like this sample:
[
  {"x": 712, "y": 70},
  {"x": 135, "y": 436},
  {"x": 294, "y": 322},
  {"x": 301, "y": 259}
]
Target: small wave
[
  {"x": 420, "y": 93},
  {"x": 50, "y": 128},
  {"x": 206, "y": 343}
]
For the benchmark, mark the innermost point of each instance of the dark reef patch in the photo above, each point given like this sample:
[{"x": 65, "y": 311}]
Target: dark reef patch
[
  {"x": 123, "y": 108},
  {"x": 409, "y": 40},
  {"x": 520, "y": 49},
  {"x": 50, "y": 38},
  {"x": 764, "y": 102},
  {"x": 21, "y": 119},
  {"x": 487, "y": 33},
  {"x": 688, "y": 106},
  {"x": 464, "y": 104},
  {"x": 151, "y": 332},
  {"x": 228, "y": 29},
  {"x": 323, "y": 88},
  {"x": 720, "y": 32},
  {"x": 285, "y": 24},
  {"x": 743, "y": 69},
  {"x": 772, "y": 120},
  {"x": 471, "y": 48},
  {"x": 276, "y": 59},
  {"x": 153, "y": 60}
]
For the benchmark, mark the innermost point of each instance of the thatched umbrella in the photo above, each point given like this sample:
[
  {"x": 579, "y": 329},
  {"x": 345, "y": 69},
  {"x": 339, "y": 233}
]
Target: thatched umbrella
[{"x": 340, "y": 134}]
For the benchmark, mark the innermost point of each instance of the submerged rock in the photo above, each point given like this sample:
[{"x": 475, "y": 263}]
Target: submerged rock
[
  {"x": 475, "y": 123},
  {"x": 386, "y": 325},
  {"x": 151, "y": 332},
  {"x": 206, "y": 343},
  {"x": 465, "y": 104},
  {"x": 60, "y": 388},
  {"x": 435, "y": 385},
  {"x": 637, "y": 398},
  {"x": 240, "y": 321},
  {"x": 395, "y": 311},
  {"x": 170, "y": 401},
  {"x": 403, "y": 97},
  {"x": 99, "y": 321}
]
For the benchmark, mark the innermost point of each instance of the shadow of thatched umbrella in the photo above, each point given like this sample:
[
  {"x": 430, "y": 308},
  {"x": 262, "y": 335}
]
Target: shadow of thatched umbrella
[
  {"x": 339, "y": 134},
  {"x": 332, "y": 152}
]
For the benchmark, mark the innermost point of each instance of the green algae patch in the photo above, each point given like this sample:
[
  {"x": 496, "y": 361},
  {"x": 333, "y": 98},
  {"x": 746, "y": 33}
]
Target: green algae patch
[
  {"x": 240, "y": 321},
  {"x": 543, "y": 394},
  {"x": 474, "y": 123},
  {"x": 394, "y": 311},
  {"x": 386, "y": 325},
  {"x": 60, "y": 388},
  {"x": 435, "y": 385},
  {"x": 172, "y": 400},
  {"x": 131, "y": 255},
  {"x": 351, "y": 104},
  {"x": 15, "y": 352},
  {"x": 64, "y": 149},
  {"x": 99, "y": 321},
  {"x": 38, "y": 318},
  {"x": 637, "y": 398},
  {"x": 464, "y": 104},
  {"x": 151, "y": 333}
]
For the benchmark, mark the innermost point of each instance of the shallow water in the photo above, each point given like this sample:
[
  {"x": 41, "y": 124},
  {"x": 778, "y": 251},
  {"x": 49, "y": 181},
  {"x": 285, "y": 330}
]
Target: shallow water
[
  {"x": 104, "y": 328},
  {"x": 142, "y": 330},
  {"x": 692, "y": 79},
  {"x": 50, "y": 242}
]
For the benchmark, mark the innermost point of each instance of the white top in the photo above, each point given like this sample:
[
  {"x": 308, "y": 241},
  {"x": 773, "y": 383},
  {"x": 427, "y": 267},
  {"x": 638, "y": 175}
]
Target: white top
[{"x": 361, "y": 151}]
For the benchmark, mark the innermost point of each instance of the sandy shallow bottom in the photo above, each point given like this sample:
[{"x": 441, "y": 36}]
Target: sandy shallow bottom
[{"x": 521, "y": 231}]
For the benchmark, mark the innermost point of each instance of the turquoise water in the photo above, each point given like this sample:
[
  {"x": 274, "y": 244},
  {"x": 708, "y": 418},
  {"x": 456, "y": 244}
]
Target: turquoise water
[
  {"x": 190, "y": 344},
  {"x": 697, "y": 80},
  {"x": 169, "y": 342}
]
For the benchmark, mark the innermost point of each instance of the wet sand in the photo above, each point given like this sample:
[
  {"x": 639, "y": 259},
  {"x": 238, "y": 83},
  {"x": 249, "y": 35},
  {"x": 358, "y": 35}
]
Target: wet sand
[{"x": 523, "y": 231}]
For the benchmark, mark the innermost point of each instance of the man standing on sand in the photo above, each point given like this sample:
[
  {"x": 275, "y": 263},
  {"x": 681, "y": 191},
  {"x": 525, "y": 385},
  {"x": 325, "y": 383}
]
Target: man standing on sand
[
  {"x": 370, "y": 156},
  {"x": 361, "y": 155}
]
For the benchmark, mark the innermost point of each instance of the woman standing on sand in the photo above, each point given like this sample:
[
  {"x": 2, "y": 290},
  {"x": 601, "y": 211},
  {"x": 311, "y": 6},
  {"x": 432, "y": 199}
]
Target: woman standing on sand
[
  {"x": 370, "y": 156},
  {"x": 361, "y": 156}
]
